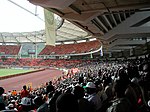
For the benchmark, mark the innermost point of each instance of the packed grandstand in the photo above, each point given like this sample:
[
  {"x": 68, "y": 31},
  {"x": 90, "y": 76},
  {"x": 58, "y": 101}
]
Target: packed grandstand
[
  {"x": 88, "y": 73},
  {"x": 96, "y": 85},
  {"x": 120, "y": 86}
]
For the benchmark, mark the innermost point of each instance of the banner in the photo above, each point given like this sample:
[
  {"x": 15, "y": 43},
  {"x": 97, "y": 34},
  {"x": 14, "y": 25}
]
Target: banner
[
  {"x": 101, "y": 51},
  {"x": 50, "y": 27},
  {"x": 29, "y": 86},
  {"x": 91, "y": 55}
]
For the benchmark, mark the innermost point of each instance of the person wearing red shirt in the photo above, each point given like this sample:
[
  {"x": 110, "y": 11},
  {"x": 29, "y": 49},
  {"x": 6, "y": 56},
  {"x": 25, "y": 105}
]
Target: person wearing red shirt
[{"x": 24, "y": 92}]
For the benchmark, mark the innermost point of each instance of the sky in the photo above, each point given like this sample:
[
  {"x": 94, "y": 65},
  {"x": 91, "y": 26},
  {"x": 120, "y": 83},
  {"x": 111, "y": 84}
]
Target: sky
[{"x": 15, "y": 19}]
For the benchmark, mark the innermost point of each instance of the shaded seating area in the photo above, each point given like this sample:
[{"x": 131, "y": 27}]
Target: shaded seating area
[
  {"x": 83, "y": 47},
  {"x": 10, "y": 49}
]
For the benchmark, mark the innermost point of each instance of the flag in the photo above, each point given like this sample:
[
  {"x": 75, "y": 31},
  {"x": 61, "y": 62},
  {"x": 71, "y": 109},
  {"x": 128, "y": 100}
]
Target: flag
[
  {"x": 101, "y": 51},
  {"x": 91, "y": 55},
  {"x": 50, "y": 27}
]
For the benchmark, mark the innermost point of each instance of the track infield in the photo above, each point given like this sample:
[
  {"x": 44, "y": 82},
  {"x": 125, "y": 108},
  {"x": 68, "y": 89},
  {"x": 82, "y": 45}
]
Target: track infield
[
  {"x": 35, "y": 79},
  {"x": 7, "y": 72}
]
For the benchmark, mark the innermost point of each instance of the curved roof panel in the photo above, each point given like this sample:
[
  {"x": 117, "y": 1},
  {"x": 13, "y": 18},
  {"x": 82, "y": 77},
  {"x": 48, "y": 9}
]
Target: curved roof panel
[{"x": 68, "y": 32}]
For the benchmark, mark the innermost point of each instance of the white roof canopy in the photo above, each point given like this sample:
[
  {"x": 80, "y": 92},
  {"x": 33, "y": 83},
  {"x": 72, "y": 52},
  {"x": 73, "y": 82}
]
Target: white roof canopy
[{"x": 68, "y": 32}]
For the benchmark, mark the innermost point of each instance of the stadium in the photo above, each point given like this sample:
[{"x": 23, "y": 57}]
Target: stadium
[{"x": 91, "y": 56}]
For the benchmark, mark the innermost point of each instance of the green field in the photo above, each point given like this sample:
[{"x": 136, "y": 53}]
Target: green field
[{"x": 6, "y": 72}]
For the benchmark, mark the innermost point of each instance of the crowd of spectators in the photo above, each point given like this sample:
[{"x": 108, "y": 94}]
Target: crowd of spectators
[
  {"x": 10, "y": 49},
  {"x": 83, "y": 47},
  {"x": 22, "y": 62},
  {"x": 116, "y": 86}
]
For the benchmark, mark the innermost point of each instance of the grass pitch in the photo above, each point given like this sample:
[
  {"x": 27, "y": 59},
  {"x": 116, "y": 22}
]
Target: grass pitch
[{"x": 6, "y": 72}]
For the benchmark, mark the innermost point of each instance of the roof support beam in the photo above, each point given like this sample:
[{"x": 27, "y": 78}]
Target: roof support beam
[
  {"x": 101, "y": 24},
  {"x": 124, "y": 14},
  {"x": 2, "y": 38},
  {"x": 119, "y": 17},
  {"x": 17, "y": 40},
  {"x": 75, "y": 9},
  {"x": 29, "y": 39},
  {"x": 95, "y": 23},
  {"x": 39, "y": 38},
  {"x": 129, "y": 13},
  {"x": 113, "y": 19},
  {"x": 107, "y": 21}
]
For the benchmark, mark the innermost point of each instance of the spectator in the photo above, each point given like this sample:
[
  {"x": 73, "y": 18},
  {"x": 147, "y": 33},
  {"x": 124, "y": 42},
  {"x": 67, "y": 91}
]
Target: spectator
[
  {"x": 2, "y": 103},
  {"x": 24, "y": 92},
  {"x": 66, "y": 102},
  {"x": 144, "y": 83},
  {"x": 84, "y": 104},
  {"x": 41, "y": 105},
  {"x": 13, "y": 93},
  {"x": 52, "y": 102},
  {"x": 25, "y": 105},
  {"x": 11, "y": 107},
  {"x": 92, "y": 96},
  {"x": 120, "y": 103},
  {"x": 50, "y": 88}
]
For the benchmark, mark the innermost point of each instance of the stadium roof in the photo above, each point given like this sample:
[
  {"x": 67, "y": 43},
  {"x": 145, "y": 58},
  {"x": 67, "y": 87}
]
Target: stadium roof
[
  {"x": 30, "y": 18},
  {"x": 115, "y": 22},
  {"x": 67, "y": 32}
]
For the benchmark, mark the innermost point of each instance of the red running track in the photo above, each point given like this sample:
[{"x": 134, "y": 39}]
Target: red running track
[{"x": 37, "y": 78}]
